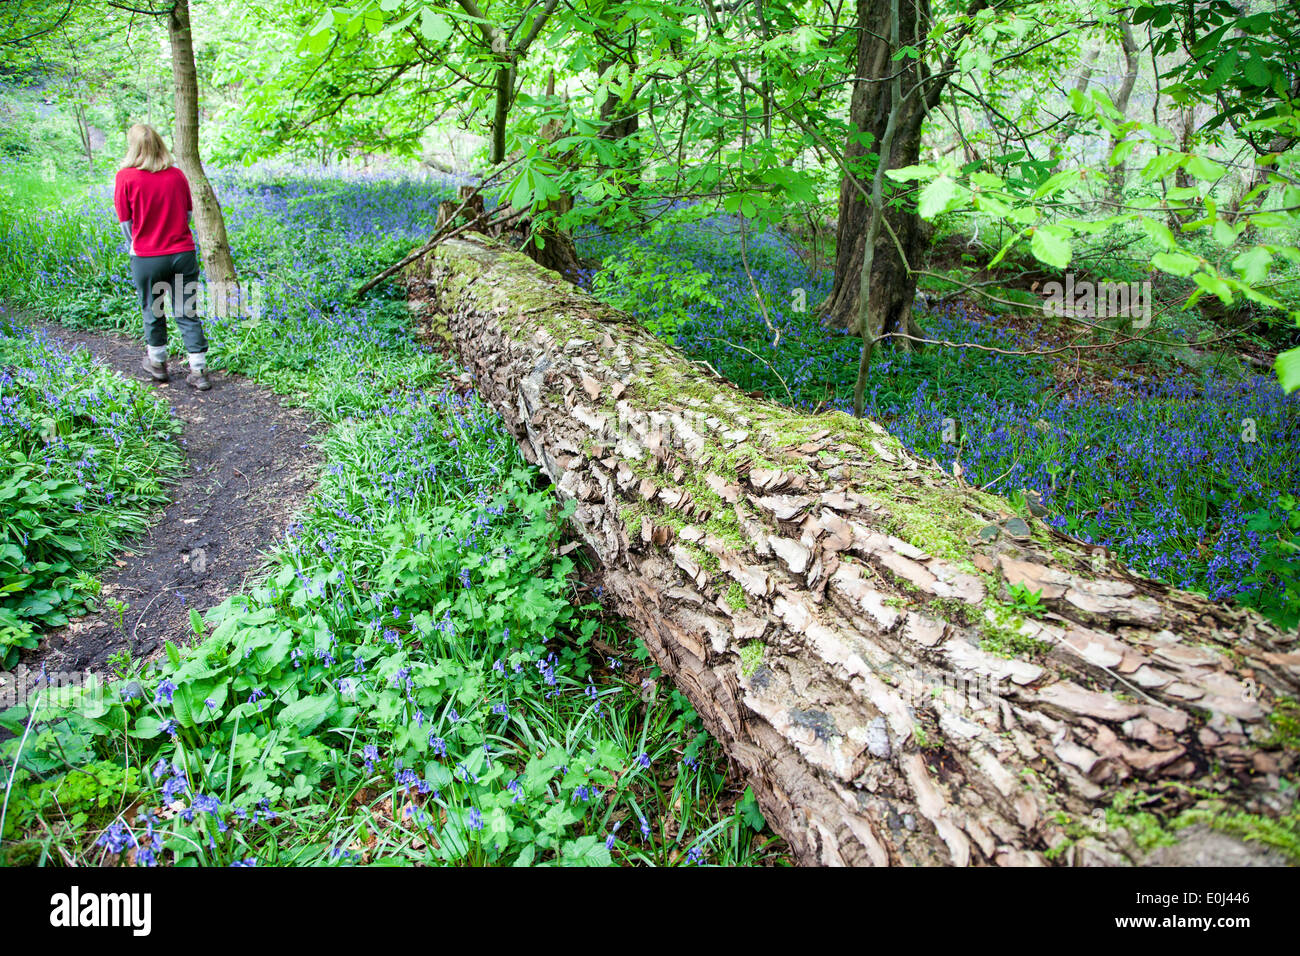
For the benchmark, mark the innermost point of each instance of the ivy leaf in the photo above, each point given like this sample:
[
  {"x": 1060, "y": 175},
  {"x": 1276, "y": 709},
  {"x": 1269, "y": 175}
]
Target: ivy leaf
[{"x": 749, "y": 811}]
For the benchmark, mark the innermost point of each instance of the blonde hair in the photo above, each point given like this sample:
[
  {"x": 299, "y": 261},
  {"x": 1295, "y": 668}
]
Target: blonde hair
[{"x": 146, "y": 150}]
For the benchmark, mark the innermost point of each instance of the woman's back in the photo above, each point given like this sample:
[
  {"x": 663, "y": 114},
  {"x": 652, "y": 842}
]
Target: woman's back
[{"x": 158, "y": 206}]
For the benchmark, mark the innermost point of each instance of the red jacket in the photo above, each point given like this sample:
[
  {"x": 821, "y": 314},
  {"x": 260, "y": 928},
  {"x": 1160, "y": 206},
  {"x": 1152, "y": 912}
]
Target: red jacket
[{"x": 158, "y": 206}]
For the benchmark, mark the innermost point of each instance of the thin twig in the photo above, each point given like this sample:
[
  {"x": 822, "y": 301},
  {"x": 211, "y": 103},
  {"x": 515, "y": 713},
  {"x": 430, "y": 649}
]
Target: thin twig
[{"x": 788, "y": 393}]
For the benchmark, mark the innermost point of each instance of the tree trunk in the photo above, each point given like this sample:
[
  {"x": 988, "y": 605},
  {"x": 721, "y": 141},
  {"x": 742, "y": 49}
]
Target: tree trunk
[
  {"x": 1118, "y": 172},
  {"x": 469, "y": 202},
  {"x": 837, "y": 611},
  {"x": 504, "y": 80},
  {"x": 208, "y": 220},
  {"x": 893, "y": 287},
  {"x": 619, "y": 122},
  {"x": 1182, "y": 179},
  {"x": 1060, "y": 136},
  {"x": 554, "y": 249},
  {"x": 549, "y": 246}
]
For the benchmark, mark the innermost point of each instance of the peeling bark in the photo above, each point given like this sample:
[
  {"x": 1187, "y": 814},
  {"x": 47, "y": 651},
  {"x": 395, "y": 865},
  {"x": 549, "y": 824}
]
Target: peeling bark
[{"x": 830, "y": 605}]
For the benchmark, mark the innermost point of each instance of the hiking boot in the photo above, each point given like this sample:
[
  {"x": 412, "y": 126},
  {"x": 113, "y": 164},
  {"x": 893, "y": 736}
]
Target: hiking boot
[
  {"x": 157, "y": 370},
  {"x": 199, "y": 380}
]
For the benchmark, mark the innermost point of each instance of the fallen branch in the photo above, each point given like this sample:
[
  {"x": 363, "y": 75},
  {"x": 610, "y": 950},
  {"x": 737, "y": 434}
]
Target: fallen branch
[{"x": 445, "y": 231}]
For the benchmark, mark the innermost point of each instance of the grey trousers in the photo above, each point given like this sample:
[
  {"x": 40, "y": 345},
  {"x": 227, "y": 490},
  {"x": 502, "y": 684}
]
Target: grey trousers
[{"x": 177, "y": 276}]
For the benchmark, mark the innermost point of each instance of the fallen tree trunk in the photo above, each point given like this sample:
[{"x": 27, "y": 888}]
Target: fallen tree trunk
[{"x": 839, "y": 612}]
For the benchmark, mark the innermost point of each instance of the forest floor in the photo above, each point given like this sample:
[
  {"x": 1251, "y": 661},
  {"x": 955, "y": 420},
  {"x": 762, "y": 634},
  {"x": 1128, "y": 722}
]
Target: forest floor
[{"x": 250, "y": 464}]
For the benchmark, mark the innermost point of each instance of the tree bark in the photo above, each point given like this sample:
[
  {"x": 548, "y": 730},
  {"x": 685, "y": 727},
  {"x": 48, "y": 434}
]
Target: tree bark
[
  {"x": 1060, "y": 137},
  {"x": 893, "y": 287},
  {"x": 1119, "y": 172},
  {"x": 547, "y": 245},
  {"x": 832, "y": 606},
  {"x": 620, "y": 122},
  {"x": 505, "y": 90},
  {"x": 208, "y": 220},
  {"x": 1182, "y": 179}
]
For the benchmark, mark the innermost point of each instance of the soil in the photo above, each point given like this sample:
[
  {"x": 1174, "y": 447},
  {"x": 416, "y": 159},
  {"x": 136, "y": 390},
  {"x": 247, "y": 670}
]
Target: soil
[{"x": 250, "y": 463}]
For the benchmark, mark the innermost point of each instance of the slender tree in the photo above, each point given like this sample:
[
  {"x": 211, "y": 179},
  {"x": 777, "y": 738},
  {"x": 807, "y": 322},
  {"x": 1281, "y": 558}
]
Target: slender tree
[{"x": 210, "y": 222}]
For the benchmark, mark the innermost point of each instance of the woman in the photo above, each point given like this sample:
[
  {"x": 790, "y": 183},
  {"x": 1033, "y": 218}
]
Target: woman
[{"x": 152, "y": 198}]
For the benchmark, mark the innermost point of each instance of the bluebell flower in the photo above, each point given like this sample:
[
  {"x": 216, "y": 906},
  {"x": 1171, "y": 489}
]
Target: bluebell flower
[{"x": 166, "y": 689}]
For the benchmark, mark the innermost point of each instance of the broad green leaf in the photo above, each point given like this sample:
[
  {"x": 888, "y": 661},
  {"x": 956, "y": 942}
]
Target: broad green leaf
[
  {"x": 434, "y": 25},
  {"x": 1287, "y": 367},
  {"x": 1212, "y": 283},
  {"x": 1058, "y": 182},
  {"x": 1252, "y": 265},
  {"x": 1051, "y": 244},
  {"x": 1257, "y": 72},
  {"x": 1175, "y": 263},
  {"x": 1158, "y": 231},
  {"x": 307, "y": 713},
  {"x": 905, "y": 174},
  {"x": 1203, "y": 168},
  {"x": 935, "y": 197},
  {"x": 1161, "y": 165}
]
